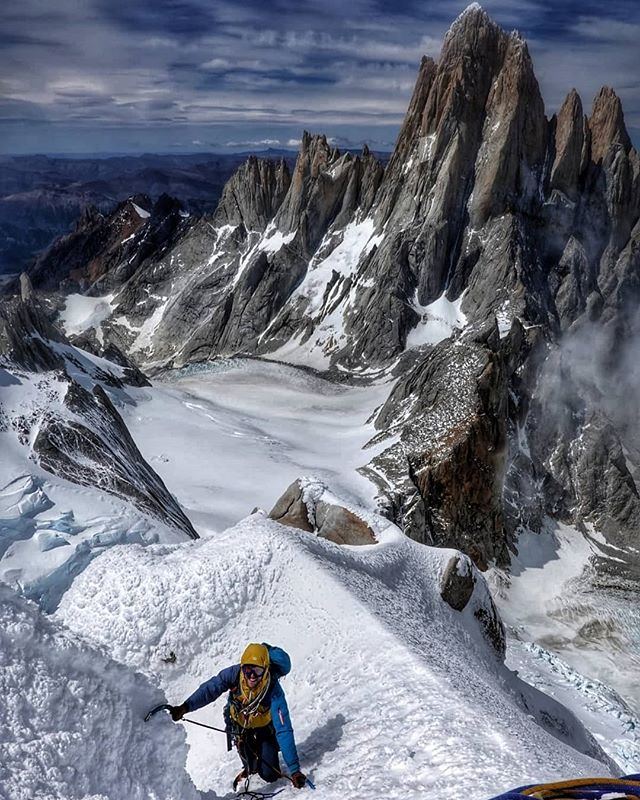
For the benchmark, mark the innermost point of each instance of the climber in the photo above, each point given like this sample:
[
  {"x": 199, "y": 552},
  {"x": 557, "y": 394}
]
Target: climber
[{"x": 256, "y": 715}]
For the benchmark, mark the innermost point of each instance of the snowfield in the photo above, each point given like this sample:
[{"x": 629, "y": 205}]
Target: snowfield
[{"x": 233, "y": 435}]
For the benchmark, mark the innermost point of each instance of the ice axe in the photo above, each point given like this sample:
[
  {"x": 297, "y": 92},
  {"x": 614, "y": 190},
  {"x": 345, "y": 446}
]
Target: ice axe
[{"x": 163, "y": 707}]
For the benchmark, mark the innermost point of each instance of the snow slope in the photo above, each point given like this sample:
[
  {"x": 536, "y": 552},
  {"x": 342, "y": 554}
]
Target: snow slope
[
  {"x": 549, "y": 597},
  {"x": 613, "y": 723},
  {"x": 51, "y": 527},
  {"x": 392, "y": 692},
  {"x": 71, "y": 719},
  {"x": 578, "y": 644}
]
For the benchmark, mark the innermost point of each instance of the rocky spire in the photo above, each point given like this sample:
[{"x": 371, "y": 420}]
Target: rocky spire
[
  {"x": 314, "y": 156},
  {"x": 510, "y": 161},
  {"x": 26, "y": 288},
  {"x": 253, "y": 194},
  {"x": 326, "y": 185},
  {"x": 571, "y": 143},
  {"x": 410, "y": 130},
  {"x": 606, "y": 124},
  {"x": 472, "y": 54}
]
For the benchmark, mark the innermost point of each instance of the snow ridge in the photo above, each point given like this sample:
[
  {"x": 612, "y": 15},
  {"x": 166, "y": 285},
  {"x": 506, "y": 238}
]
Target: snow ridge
[{"x": 352, "y": 618}]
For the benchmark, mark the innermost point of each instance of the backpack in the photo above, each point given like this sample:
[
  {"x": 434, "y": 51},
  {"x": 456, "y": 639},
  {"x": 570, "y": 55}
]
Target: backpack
[{"x": 279, "y": 661}]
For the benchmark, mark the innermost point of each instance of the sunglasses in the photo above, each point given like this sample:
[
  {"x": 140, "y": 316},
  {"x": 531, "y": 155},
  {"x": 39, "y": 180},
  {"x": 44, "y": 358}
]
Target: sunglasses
[{"x": 252, "y": 672}]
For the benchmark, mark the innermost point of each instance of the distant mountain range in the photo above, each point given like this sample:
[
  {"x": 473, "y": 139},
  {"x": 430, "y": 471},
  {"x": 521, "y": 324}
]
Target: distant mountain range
[{"x": 41, "y": 197}]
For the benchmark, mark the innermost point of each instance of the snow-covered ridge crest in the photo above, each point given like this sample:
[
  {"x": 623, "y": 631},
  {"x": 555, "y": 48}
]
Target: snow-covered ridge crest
[{"x": 376, "y": 618}]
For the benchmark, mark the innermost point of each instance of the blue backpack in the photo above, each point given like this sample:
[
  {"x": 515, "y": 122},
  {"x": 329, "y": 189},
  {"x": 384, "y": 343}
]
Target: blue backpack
[{"x": 279, "y": 661}]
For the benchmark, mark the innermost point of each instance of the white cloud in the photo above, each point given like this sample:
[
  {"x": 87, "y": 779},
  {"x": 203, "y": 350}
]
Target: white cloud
[
  {"x": 217, "y": 63},
  {"x": 258, "y": 143}
]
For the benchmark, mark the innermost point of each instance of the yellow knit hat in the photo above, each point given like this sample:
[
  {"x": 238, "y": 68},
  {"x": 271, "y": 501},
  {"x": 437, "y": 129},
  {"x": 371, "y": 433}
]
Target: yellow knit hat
[{"x": 256, "y": 654}]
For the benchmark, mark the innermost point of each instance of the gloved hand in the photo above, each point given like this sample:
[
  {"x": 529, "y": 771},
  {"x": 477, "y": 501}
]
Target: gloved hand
[
  {"x": 177, "y": 712},
  {"x": 298, "y": 779}
]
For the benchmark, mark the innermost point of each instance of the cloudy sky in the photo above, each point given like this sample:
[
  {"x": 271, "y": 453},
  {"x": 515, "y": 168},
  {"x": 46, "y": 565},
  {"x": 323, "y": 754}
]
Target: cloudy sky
[{"x": 95, "y": 76}]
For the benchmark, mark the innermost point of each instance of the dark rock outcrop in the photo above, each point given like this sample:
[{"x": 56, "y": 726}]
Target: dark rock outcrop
[
  {"x": 341, "y": 526},
  {"x": 457, "y": 583},
  {"x": 28, "y": 338},
  {"x": 291, "y": 509},
  {"x": 446, "y": 469},
  {"x": 91, "y": 446},
  {"x": 105, "y": 250},
  {"x": 460, "y": 587},
  {"x": 83, "y": 439},
  {"x": 328, "y": 520}
]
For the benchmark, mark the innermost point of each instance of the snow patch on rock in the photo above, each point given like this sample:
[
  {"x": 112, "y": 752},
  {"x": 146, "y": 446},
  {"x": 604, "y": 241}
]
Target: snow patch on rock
[
  {"x": 82, "y": 313},
  {"x": 141, "y": 212},
  {"x": 438, "y": 320}
]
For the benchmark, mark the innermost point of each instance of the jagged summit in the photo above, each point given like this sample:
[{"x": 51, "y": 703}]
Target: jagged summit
[
  {"x": 253, "y": 194},
  {"x": 571, "y": 140},
  {"x": 473, "y": 11},
  {"x": 607, "y": 124}
]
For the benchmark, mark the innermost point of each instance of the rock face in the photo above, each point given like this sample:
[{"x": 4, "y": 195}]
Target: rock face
[
  {"x": 104, "y": 251},
  {"x": 493, "y": 237},
  {"x": 458, "y": 585},
  {"x": 91, "y": 446},
  {"x": 27, "y": 336},
  {"x": 298, "y": 509},
  {"x": 291, "y": 509},
  {"x": 447, "y": 465},
  {"x": 254, "y": 194}
]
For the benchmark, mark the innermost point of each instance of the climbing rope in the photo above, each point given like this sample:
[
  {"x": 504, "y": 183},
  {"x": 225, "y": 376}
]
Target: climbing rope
[
  {"x": 252, "y": 795},
  {"x": 247, "y": 792}
]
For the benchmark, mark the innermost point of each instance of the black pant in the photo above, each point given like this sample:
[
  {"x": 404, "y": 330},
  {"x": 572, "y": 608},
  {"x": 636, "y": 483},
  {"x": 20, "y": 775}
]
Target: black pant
[{"x": 258, "y": 749}]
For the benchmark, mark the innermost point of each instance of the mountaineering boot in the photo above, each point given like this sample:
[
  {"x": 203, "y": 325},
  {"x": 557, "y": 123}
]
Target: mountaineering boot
[{"x": 241, "y": 776}]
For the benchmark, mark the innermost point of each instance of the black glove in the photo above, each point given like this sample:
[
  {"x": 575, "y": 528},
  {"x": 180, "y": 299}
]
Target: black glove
[
  {"x": 177, "y": 712},
  {"x": 298, "y": 779}
]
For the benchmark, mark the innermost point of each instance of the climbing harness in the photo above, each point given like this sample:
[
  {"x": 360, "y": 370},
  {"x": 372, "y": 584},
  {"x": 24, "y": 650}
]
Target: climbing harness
[{"x": 247, "y": 792}]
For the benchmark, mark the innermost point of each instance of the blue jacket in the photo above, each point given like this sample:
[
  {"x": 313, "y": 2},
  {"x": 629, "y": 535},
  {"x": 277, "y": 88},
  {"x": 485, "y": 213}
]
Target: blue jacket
[{"x": 228, "y": 678}]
